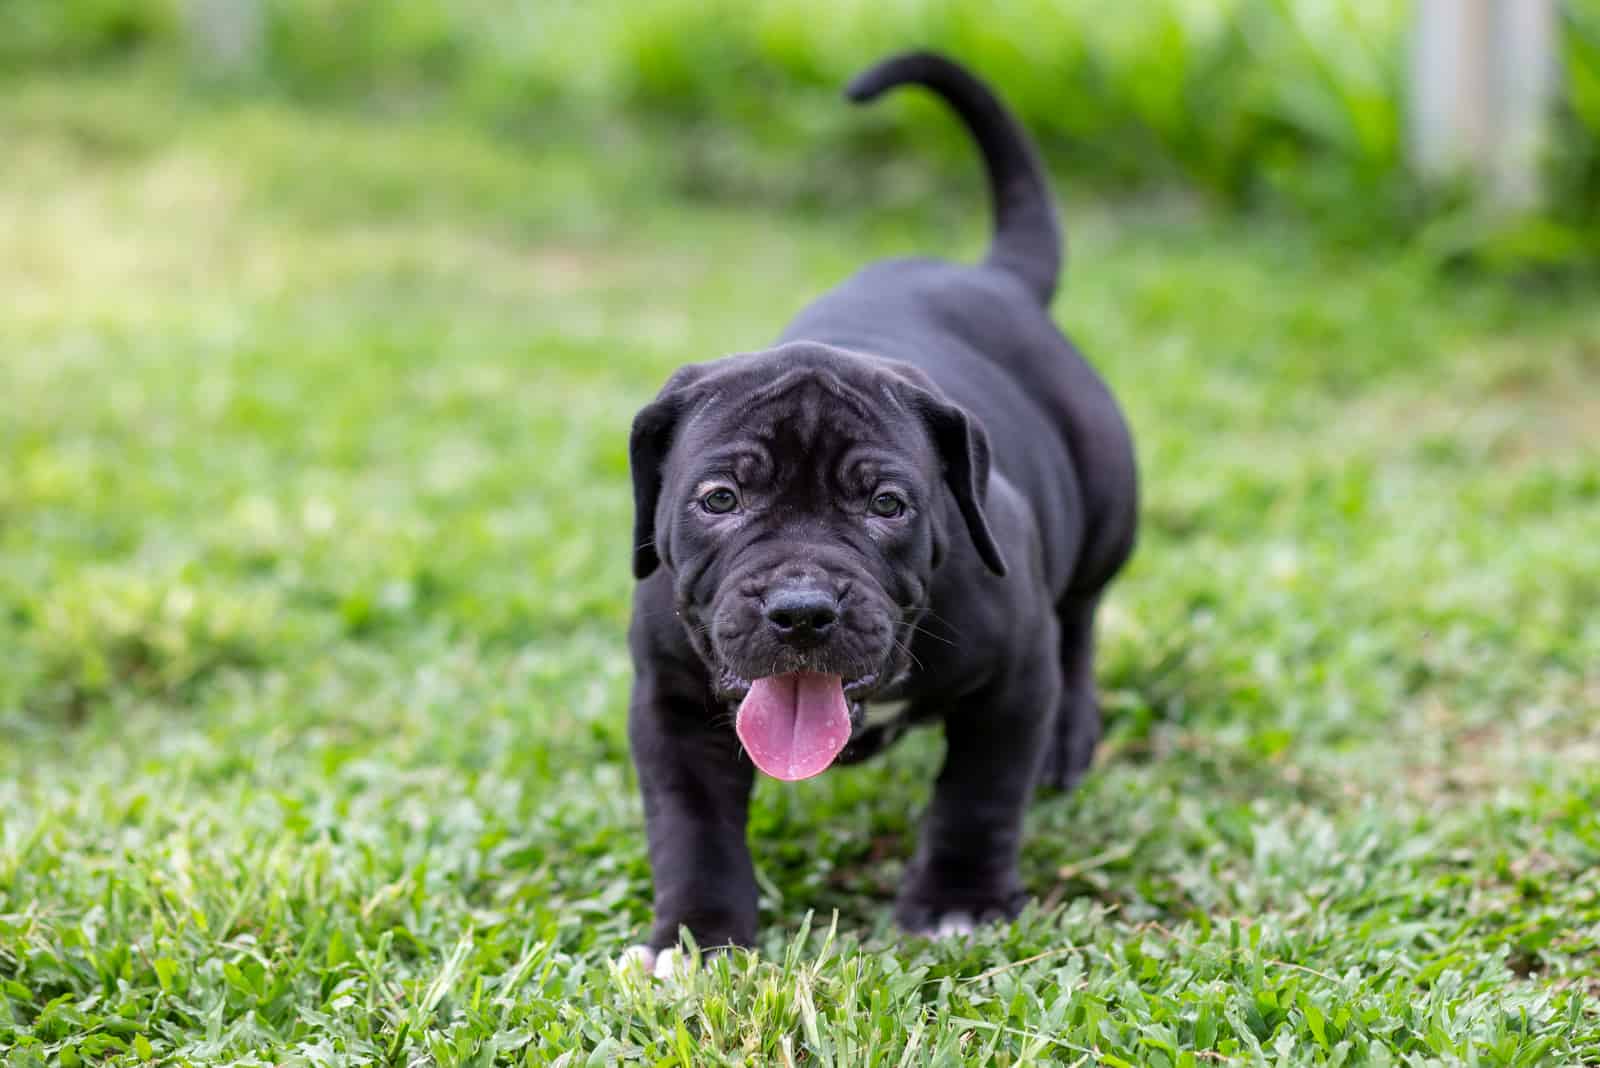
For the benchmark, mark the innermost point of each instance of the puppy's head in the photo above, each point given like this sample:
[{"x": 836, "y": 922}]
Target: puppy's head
[{"x": 802, "y": 498}]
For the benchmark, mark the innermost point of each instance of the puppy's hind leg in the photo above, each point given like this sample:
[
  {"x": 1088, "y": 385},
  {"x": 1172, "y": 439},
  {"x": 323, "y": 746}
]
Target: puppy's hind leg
[{"x": 1076, "y": 730}]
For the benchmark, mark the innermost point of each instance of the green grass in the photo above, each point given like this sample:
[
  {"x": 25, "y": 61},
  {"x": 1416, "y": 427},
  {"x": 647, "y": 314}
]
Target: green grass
[{"x": 313, "y": 519}]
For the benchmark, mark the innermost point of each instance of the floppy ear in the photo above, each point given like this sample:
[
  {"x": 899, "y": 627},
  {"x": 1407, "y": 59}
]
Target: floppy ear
[
  {"x": 648, "y": 445},
  {"x": 963, "y": 449}
]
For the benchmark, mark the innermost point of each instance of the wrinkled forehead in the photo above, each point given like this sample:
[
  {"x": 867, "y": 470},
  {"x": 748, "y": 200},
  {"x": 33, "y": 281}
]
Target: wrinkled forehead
[{"x": 807, "y": 425}]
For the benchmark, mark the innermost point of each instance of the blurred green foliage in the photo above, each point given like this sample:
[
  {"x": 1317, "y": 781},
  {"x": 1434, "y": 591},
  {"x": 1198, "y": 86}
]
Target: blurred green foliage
[{"x": 1293, "y": 104}]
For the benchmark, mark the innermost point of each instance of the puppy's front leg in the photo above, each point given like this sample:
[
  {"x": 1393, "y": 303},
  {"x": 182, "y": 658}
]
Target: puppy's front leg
[
  {"x": 696, "y": 799},
  {"x": 965, "y": 869}
]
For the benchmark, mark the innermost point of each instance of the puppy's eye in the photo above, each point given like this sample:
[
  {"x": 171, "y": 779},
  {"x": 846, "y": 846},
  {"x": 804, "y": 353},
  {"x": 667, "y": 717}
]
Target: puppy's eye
[
  {"x": 887, "y": 506},
  {"x": 720, "y": 501}
]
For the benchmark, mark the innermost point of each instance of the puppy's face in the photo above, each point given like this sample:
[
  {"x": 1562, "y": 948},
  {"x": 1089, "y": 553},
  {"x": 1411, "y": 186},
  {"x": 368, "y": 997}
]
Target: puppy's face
[
  {"x": 801, "y": 499},
  {"x": 801, "y": 534}
]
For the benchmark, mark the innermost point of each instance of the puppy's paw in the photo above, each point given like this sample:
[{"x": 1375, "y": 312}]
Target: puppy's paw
[
  {"x": 640, "y": 958},
  {"x": 947, "y": 924},
  {"x": 955, "y": 925},
  {"x": 665, "y": 964}
]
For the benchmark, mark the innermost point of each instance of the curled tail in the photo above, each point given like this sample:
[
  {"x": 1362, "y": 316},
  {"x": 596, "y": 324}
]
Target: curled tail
[{"x": 1027, "y": 236}]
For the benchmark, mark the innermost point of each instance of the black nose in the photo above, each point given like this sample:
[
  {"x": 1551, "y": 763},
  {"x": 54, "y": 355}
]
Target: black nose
[{"x": 803, "y": 616}]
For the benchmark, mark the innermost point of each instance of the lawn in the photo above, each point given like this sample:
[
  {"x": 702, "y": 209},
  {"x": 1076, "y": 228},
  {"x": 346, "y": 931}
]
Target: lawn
[{"x": 313, "y": 581}]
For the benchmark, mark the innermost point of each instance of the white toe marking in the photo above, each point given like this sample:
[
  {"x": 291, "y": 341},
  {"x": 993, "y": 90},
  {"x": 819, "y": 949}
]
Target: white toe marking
[
  {"x": 640, "y": 957},
  {"x": 666, "y": 964},
  {"x": 955, "y": 925},
  {"x": 671, "y": 964}
]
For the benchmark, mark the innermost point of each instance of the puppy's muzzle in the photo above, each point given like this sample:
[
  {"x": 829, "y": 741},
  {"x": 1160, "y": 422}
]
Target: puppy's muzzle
[{"x": 801, "y": 617}]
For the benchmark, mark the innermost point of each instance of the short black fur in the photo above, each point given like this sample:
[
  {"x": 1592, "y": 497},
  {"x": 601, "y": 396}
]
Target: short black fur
[{"x": 948, "y": 388}]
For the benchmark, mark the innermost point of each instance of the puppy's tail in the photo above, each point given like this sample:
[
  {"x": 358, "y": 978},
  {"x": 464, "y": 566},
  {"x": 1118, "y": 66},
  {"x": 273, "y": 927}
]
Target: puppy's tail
[{"x": 1027, "y": 236}]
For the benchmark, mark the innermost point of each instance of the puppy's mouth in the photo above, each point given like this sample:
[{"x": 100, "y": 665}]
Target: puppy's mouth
[
  {"x": 794, "y": 725},
  {"x": 733, "y": 687}
]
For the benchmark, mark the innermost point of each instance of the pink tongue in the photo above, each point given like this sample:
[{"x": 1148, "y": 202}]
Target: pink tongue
[{"x": 794, "y": 725}]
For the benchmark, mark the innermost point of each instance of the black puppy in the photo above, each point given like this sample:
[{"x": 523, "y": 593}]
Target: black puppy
[{"x": 904, "y": 512}]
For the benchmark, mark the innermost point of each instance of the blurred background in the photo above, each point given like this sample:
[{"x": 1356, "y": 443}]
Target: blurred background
[{"x": 1374, "y": 120}]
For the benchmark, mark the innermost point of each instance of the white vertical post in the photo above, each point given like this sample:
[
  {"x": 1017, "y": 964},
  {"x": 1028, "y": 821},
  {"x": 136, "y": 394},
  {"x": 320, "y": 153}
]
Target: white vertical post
[
  {"x": 1527, "y": 45},
  {"x": 1483, "y": 78},
  {"x": 226, "y": 37},
  {"x": 1450, "y": 103}
]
